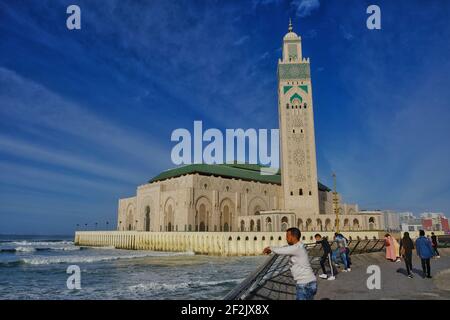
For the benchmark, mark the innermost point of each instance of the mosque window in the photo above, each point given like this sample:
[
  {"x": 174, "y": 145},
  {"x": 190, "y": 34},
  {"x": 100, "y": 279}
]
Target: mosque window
[
  {"x": 300, "y": 191},
  {"x": 292, "y": 193},
  {"x": 310, "y": 193},
  {"x": 205, "y": 185}
]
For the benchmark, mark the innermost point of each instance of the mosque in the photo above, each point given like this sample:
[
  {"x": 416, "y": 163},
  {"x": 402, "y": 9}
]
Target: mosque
[{"x": 237, "y": 197}]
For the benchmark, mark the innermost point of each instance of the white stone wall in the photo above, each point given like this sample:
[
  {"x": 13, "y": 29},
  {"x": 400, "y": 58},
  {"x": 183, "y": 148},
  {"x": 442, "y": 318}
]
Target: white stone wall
[{"x": 214, "y": 243}]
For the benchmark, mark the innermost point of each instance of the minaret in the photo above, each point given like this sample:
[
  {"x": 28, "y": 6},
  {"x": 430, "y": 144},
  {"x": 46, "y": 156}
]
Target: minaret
[{"x": 298, "y": 147}]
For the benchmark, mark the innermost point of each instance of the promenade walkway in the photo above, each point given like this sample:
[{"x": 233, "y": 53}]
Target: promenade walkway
[{"x": 394, "y": 282}]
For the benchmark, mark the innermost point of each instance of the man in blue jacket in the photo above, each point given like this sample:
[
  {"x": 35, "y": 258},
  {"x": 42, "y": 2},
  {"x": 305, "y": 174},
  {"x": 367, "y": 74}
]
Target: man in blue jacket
[{"x": 425, "y": 252}]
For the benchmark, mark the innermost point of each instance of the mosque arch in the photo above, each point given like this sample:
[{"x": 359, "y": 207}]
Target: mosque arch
[
  {"x": 284, "y": 223},
  {"x": 169, "y": 215},
  {"x": 147, "y": 218},
  {"x": 308, "y": 224},
  {"x": 319, "y": 224},
  {"x": 129, "y": 219},
  {"x": 300, "y": 224},
  {"x": 202, "y": 214},
  {"x": 226, "y": 209},
  {"x": 269, "y": 224},
  {"x": 256, "y": 205},
  {"x": 355, "y": 224}
]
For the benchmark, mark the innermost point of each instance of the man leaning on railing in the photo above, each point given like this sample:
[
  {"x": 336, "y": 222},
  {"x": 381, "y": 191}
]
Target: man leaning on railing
[{"x": 299, "y": 261}]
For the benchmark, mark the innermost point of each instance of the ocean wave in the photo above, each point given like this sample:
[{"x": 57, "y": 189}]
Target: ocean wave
[
  {"x": 156, "y": 286},
  {"x": 33, "y": 249},
  {"x": 35, "y": 243},
  {"x": 91, "y": 259},
  {"x": 24, "y": 249}
]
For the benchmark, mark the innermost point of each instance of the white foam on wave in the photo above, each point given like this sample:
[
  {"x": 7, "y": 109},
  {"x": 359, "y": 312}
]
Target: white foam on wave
[
  {"x": 156, "y": 286},
  {"x": 41, "y": 243},
  {"x": 91, "y": 259},
  {"x": 24, "y": 249}
]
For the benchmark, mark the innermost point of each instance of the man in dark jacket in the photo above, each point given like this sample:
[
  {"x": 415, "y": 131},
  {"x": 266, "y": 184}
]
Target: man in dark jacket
[{"x": 326, "y": 256}]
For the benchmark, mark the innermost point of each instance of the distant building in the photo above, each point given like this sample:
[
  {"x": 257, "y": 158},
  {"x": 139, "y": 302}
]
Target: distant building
[
  {"x": 414, "y": 224},
  {"x": 391, "y": 221},
  {"x": 434, "y": 221}
]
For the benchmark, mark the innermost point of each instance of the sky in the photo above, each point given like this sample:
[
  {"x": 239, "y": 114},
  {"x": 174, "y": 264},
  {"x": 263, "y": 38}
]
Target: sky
[{"x": 86, "y": 115}]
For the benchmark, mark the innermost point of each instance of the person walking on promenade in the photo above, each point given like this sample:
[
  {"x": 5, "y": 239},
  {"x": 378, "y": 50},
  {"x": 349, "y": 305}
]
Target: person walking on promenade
[
  {"x": 434, "y": 244},
  {"x": 425, "y": 252},
  {"x": 325, "y": 257},
  {"x": 406, "y": 248},
  {"x": 392, "y": 248},
  {"x": 301, "y": 269},
  {"x": 341, "y": 250}
]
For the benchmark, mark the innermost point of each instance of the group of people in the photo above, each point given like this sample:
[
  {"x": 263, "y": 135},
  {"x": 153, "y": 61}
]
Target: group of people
[
  {"x": 426, "y": 248},
  {"x": 303, "y": 274},
  {"x": 342, "y": 251}
]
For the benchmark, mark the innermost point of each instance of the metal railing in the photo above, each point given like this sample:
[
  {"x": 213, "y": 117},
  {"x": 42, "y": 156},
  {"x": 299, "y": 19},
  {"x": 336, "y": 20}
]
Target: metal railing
[{"x": 273, "y": 280}]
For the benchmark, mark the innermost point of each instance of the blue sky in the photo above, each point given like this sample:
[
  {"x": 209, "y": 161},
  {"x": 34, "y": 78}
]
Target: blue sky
[{"x": 86, "y": 116}]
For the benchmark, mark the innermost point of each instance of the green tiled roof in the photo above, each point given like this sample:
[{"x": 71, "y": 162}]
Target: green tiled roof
[{"x": 248, "y": 172}]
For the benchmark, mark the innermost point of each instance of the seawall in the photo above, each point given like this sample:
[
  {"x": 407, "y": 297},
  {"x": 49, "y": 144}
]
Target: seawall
[{"x": 213, "y": 243}]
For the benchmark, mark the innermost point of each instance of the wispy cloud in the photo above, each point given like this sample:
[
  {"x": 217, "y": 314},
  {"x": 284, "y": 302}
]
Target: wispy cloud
[{"x": 304, "y": 8}]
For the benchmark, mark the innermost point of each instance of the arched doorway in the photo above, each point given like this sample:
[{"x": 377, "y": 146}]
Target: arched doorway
[
  {"x": 147, "y": 218},
  {"x": 225, "y": 218},
  {"x": 319, "y": 224},
  {"x": 355, "y": 224},
  {"x": 284, "y": 223},
  {"x": 308, "y": 224},
  {"x": 346, "y": 224},
  {"x": 242, "y": 225},
  {"x": 300, "y": 224},
  {"x": 268, "y": 224},
  {"x": 258, "y": 225},
  {"x": 169, "y": 217},
  {"x": 202, "y": 218},
  {"x": 371, "y": 223},
  {"x": 328, "y": 225},
  {"x": 252, "y": 225}
]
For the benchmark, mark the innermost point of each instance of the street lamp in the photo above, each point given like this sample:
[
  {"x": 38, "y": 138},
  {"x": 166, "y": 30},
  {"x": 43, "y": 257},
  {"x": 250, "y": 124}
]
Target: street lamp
[{"x": 107, "y": 225}]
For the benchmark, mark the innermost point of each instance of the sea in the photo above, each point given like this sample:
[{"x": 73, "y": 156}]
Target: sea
[{"x": 36, "y": 267}]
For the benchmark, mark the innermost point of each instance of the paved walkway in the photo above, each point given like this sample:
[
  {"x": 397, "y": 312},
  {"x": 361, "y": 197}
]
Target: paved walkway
[{"x": 394, "y": 282}]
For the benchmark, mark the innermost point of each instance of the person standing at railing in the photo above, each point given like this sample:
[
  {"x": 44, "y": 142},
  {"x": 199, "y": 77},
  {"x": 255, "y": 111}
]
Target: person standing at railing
[
  {"x": 301, "y": 269},
  {"x": 425, "y": 252},
  {"x": 325, "y": 257},
  {"x": 406, "y": 248}
]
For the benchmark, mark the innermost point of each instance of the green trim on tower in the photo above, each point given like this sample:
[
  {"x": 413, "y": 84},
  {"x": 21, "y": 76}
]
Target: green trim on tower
[
  {"x": 296, "y": 96},
  {"x": 286, "y": 89},
  {"x": 304, "y": 88}
]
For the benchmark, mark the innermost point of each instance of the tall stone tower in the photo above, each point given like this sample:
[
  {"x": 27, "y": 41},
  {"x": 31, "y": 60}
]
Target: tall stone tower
[{"x": 298, "y": 147}]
